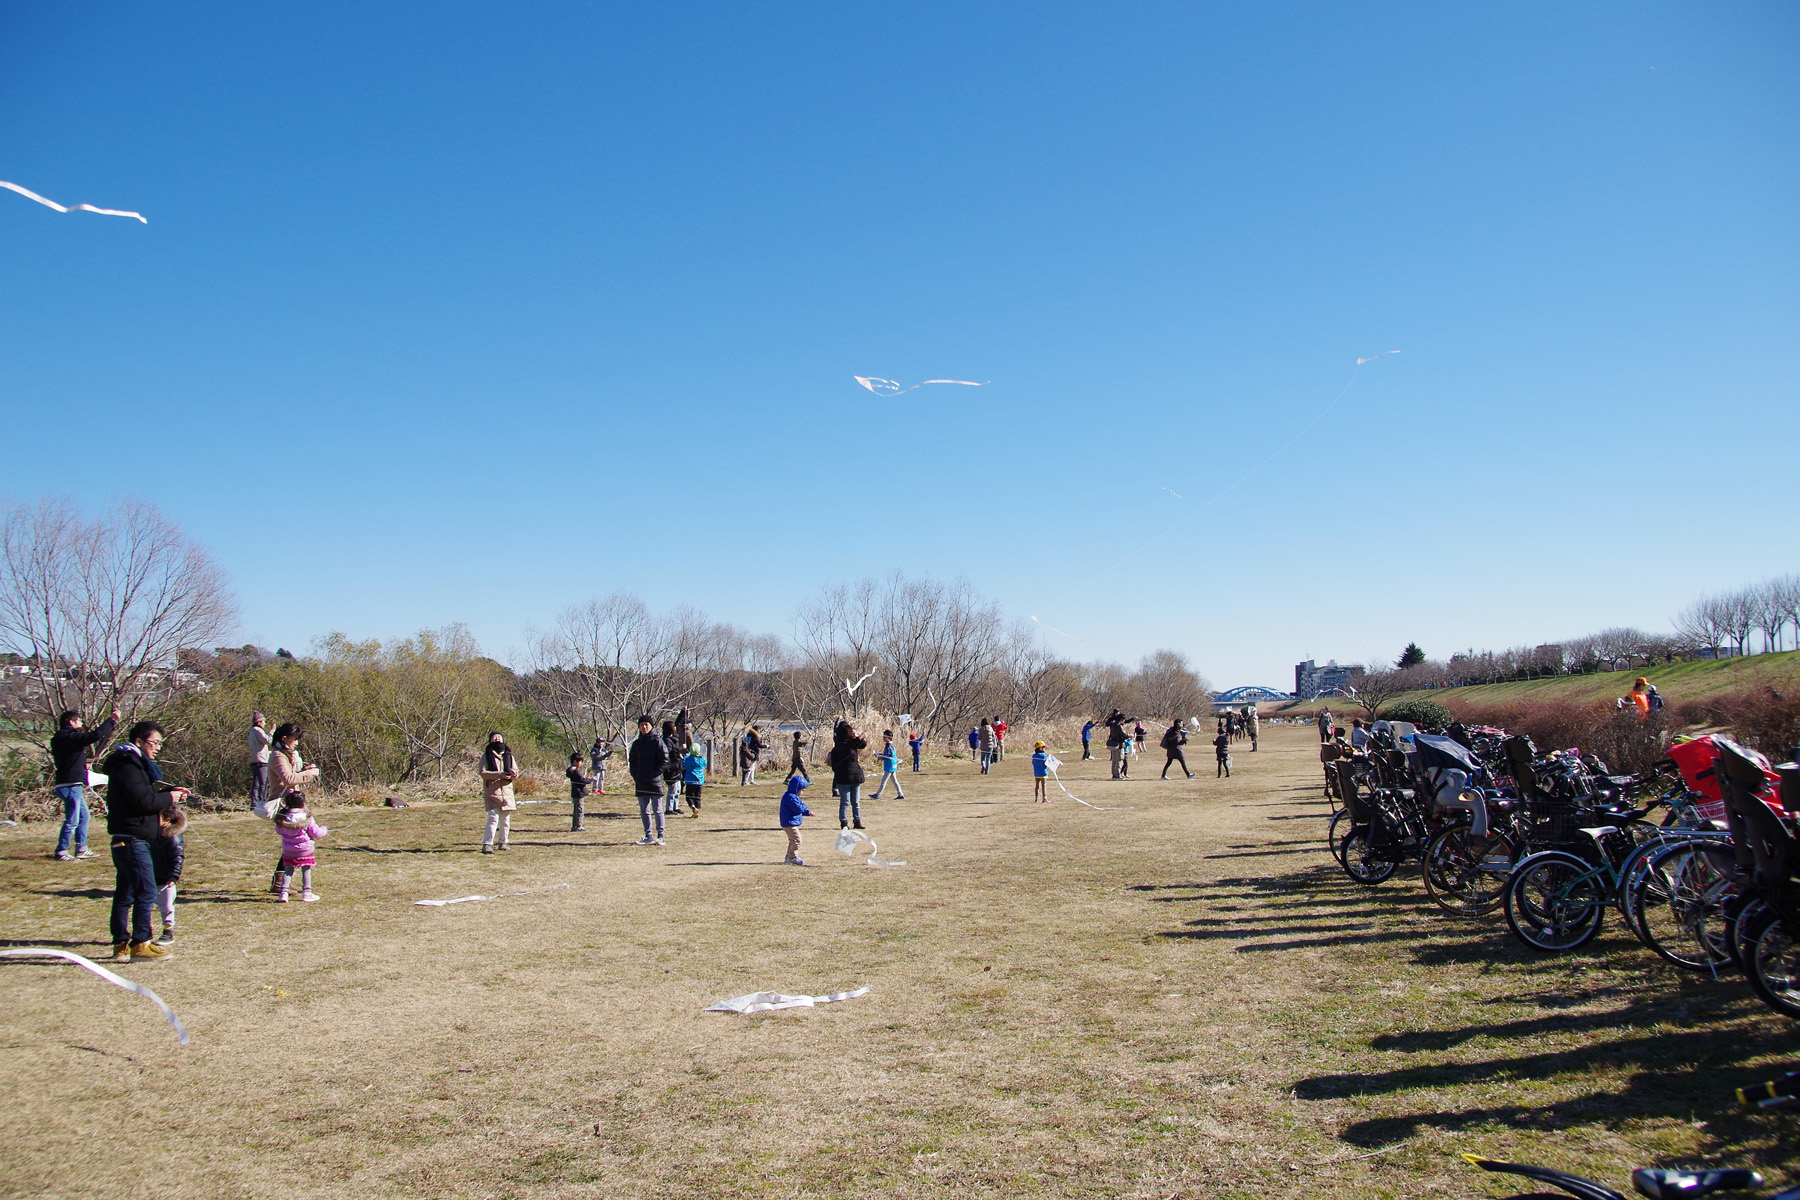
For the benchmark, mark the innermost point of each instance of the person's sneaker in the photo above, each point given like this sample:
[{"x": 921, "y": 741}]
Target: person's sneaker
[
  {"x": 63, "y": 856},
  {"x": 645, "y": 841},
  {"x": 694, "y": 813},
  {"x": 660, "y": 842},
  {"x": 121, "y": 952},
  {"x": 796, "y": 862},
  {"x": 281, "y": 896},
  {"x": 486, "y": 849},
  {"x": 308, "y": 896},
  {"x": 84, "y": 852},
  {"x": 148, "y": 950},
  {"x": 501, "y": 846},
  {"x": 168, "y": 935}
]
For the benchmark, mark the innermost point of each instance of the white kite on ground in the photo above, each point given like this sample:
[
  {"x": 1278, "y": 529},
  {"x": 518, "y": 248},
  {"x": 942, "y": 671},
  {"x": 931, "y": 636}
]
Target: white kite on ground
[
  {"x": 48, "y": 203},
  {"x": 846, "y": 843},
  {"x": 889, "y": 387},
  {"x": 757, "y": 1002},
  {"x": 116, "y": 980},
  {"x": 472, "y": 899}
]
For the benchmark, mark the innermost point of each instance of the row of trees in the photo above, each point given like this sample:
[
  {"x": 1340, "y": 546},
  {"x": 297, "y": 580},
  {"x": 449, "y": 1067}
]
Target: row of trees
[
  {"x": 1715, "y": 625},
  {"x": 118, "y": 611}
]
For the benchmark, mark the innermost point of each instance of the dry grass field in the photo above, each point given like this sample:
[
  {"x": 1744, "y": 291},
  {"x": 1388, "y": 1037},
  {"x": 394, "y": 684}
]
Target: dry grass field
[{"x": 1183, "y": 998}]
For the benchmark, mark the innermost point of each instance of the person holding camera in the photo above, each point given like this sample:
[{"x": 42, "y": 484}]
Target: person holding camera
[{"x": 498, "y": 770}]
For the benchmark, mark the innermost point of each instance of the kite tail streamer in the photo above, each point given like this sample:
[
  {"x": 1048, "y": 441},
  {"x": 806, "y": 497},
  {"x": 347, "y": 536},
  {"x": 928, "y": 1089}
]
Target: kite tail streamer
[
  {"x": 48, "y": 203},
  {"x": 1053, "y": 763},
  {"x": 757, "y": 1002},
  {"x": 471, "y": 899},
  {"x": 116, "y": 980}
]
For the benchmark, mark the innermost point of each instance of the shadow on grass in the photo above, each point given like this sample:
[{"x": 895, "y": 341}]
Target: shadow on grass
[{"x": 32, "y": 943}]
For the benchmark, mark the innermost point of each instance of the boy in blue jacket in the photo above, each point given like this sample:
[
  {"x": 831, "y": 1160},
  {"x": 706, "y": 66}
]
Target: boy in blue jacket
[
  {"x": 693, "y": 777},
  {"x": 793, "y": 811},
  {"x": 889, "y": 758},
  {"x": 916, "y": 741}
]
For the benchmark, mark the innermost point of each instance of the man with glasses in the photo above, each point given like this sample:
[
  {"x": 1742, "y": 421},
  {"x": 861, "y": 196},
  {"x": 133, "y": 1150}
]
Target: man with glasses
[{"x": 135, "y": 799}]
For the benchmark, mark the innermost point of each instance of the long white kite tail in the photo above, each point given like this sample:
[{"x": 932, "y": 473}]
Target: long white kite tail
[
  {"x": 48, "y": 203},
  {"x": 116, "y": 980},
  {"x": 1053, "y": 762},
  {"x": 889, "y": 387}
]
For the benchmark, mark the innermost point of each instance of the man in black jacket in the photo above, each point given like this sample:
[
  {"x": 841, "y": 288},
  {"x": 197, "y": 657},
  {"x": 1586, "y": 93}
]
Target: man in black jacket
[
  {"x": 135, "y": 799},
  {"x": 647, "y": 760},
  {"x": 69, "y": 747}
]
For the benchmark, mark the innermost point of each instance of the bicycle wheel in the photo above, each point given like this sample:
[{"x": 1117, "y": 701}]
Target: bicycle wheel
[
  {"x": 1360, "y": 863},
  {"x": 1742, "y": 912},
  {"x": 1678, "y": 907},
  {"x": 1555, "y": 901},
  {"x": 1637, "y": 865},
  {"x": 1467, "y": 875},
  {"x": 1772, "y": 962},
  {"x": 1331, "y": 833}
]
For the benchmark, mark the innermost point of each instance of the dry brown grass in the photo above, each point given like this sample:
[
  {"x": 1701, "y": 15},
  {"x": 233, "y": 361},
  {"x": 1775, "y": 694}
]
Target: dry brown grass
[{"x": 1180, "y": 999}]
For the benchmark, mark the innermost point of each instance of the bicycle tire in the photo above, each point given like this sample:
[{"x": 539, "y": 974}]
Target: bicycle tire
[
  {"x": 1331, "y": 832},
  {"x": 1772, "y": 959},
  {"x": 1741, "y": 915},
  {"x": 1677, "y": 908},
  {"x": 1637, "y": 863},
  {"x": 1459, "y": 881},
  {"x": 1554, "y": 902},
  {"x": 1359, "y": 861}
]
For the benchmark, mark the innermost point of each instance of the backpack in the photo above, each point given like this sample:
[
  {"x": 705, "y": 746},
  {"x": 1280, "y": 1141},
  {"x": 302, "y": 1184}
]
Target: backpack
[{"x": 1656, "y": 700}]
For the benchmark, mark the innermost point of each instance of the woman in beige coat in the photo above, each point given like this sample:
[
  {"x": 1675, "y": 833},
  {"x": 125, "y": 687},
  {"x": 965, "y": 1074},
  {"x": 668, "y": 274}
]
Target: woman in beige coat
[
  {"x": 288, "y": 772},
  {"x": 497, "y": 774}
]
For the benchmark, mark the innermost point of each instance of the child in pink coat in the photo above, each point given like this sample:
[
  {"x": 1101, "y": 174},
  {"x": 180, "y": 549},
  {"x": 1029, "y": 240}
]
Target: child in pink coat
[{"x": 298, "y": 833}]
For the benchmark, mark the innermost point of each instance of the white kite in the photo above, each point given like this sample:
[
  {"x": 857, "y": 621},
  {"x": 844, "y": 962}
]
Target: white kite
[
  {"x": 472, "y": 899},
  {"x": 1373, "y": 357},
  {"x": 48, "y": 203},
  {"x": 757, "y": 1002},
  {"x": 847, "y": 841},
  {"x": 890, "y": 387},
  {"x": 851, "y": 687},
  {"x": 116, "y": 980},
  {"x": 1054, "y": 629}
]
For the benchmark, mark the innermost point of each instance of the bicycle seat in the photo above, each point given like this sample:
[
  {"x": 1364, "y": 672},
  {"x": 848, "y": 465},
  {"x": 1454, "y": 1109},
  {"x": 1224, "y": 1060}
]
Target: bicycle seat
[{"x": 1670, "y": 1185}]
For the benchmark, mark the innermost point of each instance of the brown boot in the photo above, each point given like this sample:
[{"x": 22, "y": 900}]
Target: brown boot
[{"x": 142, "y": 950}]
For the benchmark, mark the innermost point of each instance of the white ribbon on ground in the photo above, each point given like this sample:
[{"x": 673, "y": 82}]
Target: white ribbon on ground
[
  {"x": 889, "y": 387},
  {"x": 48, "y": 203},
  {"x": 471, "y": 899},
  {"x": 116, "y": 980},
  {"x": 846, "y": 844},
  {"x": 1053, "y": 762},
  {"x": 757, "y": 1002}
]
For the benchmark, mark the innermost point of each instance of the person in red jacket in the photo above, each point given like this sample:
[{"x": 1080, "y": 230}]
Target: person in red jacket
[{"x": 999, "y": 739}]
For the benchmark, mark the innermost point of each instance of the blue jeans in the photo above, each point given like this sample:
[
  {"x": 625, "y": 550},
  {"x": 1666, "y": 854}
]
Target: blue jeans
[
  {"x": 75, "y": 818},
  {"x": 987, "y": 758},
  {"x": 849, "y": 803},
  {"x": 915, "y": 760},
  {"x": 134, "y": 890},
  {"x": 671, "y": 796}
]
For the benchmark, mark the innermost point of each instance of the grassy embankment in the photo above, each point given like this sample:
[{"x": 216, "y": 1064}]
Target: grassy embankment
[{"x": 1677, "y": 682}]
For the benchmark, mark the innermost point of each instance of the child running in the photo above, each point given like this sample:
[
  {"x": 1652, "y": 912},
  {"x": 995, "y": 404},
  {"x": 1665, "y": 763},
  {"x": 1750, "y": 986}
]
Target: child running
[
  {"x": 693, "y": 777},
  {"x": 794, "y": 811},
  {"x": 889, "y": 758},
  {"x": 166, "y": 857},
  {"x": 298, "y": 833},
  {"x": 1040, "y": 773}
]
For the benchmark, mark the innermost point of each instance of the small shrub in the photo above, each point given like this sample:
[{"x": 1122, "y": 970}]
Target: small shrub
[
  {"x": 527, "y": 785},
  {"x": 1426, "y": 714}
]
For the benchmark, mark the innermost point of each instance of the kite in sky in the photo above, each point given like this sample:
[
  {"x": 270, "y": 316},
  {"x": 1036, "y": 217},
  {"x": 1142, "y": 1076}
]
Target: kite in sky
[
  {"x": 105, "y": 212},
  {"x": 888, "y": 387},
  {"x": 1373, "y": 357}
]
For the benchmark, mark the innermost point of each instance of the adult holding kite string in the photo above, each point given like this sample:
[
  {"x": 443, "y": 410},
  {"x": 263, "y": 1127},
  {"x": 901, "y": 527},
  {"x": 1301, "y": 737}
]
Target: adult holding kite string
[
  {"x": 847, "y": 776},
  {"x": 69, "y": 748}
]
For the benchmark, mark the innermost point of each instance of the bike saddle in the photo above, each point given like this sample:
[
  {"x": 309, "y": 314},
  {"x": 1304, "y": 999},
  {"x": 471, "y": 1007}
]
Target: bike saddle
[
  {"x": 1575, "y": 1185},
  {"x": 1671, "y": 1185}
]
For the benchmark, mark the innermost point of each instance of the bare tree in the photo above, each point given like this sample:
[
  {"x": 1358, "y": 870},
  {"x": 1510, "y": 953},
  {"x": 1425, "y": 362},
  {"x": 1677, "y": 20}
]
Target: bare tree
[
  {"x": 1169, "y": 688},
  {"x": 1378, "y": 685},
  {"x": 101, "y": 610},
  {"x": 606, "y": 661}
]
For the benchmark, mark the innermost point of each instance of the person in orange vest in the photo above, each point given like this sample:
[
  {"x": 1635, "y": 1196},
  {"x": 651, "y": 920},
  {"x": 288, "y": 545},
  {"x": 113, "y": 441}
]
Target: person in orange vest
[{"x": 1639, "y": 697}]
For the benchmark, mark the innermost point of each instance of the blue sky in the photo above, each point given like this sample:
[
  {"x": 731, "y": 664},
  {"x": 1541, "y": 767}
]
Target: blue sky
[{"x": 466, "y": 312}]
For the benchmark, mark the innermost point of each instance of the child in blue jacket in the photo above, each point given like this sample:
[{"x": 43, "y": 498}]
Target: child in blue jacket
[
  {"x": 693, "y": 777},
  {"x": 1040, "y": 773},
  {"x": 917, "y": 742},
  {"x": 793, "y": 811},
  {"x": 889, "y": 758}
]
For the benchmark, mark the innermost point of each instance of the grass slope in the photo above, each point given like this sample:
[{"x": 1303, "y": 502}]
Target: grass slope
[
  {"x": 1677, "y": 682},
  {"x": 1180, "y": 998}
]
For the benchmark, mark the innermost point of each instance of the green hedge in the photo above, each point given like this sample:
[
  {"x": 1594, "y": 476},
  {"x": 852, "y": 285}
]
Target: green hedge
[{"x": 1427, "y": 714}]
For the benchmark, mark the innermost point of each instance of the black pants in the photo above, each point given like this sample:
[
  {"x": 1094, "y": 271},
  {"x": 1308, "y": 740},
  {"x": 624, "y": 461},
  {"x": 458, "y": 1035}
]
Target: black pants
[
  {"x": 1175, "y": 756},
  {"x": 692, "y": 792},
  {"x": 1225, "y": 765},
  {"x": 134, "y": 890},
  {"x": 259, "y": 782},
  {"x": 1085, "y": 752},
  {"x": 796, "y": 768},
  {"x": 575, "y": 814}
]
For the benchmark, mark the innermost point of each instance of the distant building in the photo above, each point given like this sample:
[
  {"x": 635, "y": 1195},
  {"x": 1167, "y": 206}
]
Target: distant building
[{"x": 1312, "y": 681}]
